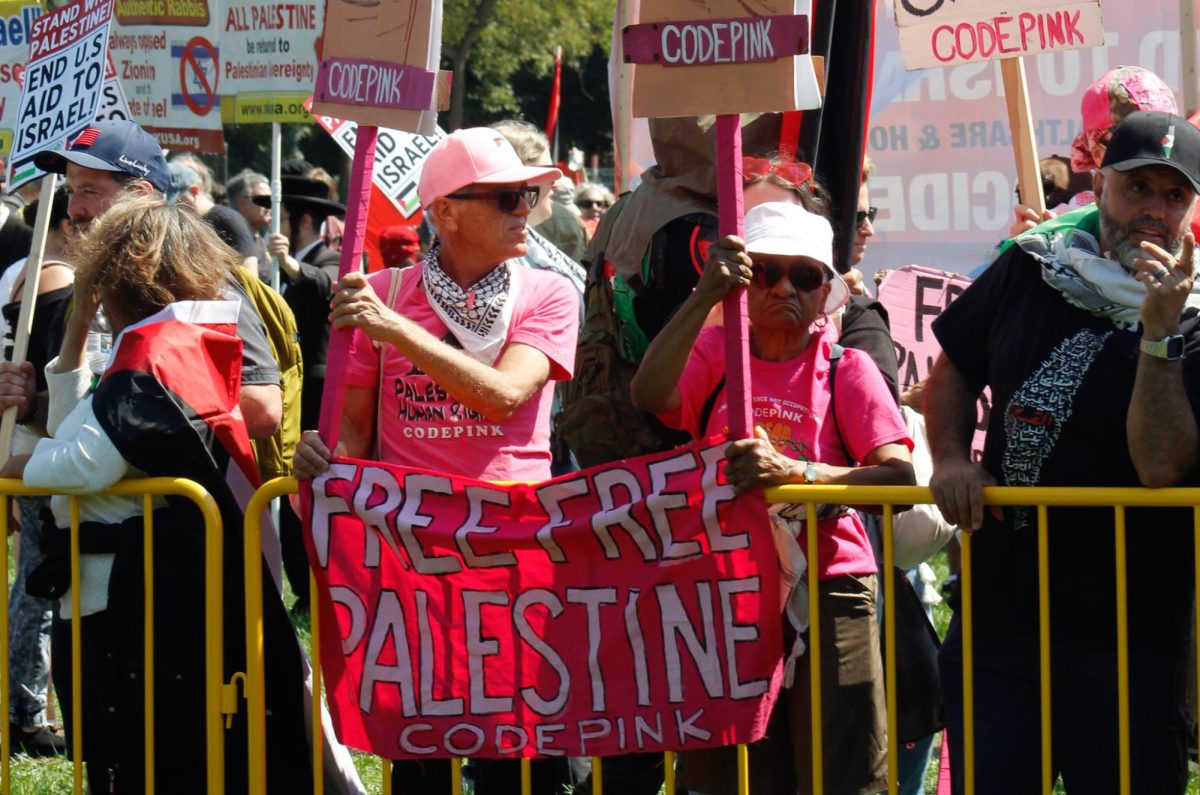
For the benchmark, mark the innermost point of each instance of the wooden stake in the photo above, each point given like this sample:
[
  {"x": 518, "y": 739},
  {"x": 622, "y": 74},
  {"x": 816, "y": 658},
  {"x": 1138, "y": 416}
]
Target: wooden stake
[
  {"x": 357, "y": 200},
  {"x": 1020, "y": 121},
  {"x": 737, "y": 324},
  {"x": 33, "y": 273}
]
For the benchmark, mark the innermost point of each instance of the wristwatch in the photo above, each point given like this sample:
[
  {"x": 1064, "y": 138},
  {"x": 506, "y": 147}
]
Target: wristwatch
[
  {"x": 810, "y": 472},
  {"x": 1169, "y": 347}
]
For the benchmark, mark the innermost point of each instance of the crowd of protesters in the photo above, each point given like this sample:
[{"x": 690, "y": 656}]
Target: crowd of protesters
[{"x": 1084, "y": 325}]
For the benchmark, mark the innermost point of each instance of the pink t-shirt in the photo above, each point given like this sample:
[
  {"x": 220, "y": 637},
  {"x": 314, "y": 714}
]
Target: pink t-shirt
[
  {"x": 423, "y": 426},
  {"x": 790, "y": 400}
]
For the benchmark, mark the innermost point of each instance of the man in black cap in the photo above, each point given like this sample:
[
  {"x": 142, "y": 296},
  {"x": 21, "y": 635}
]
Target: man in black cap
[
  {"x": 308, "y": 271},
  {"x": 1087, "y": 331}
]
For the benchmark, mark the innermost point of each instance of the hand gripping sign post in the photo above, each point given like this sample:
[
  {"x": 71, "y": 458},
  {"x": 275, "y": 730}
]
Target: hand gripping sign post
[
  {"x": 379, "y": 68},
  {"x": 941, "y": 33},
  {"x": 64, "y": 76},
  {"x": 691, "y": 58}
]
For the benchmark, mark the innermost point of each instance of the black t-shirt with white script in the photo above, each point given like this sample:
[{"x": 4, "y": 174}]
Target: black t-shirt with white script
[{"x": 1061, "y": 381}]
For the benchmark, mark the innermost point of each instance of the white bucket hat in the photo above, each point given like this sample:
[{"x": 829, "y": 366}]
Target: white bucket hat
[{"x": 785, "y": 229}]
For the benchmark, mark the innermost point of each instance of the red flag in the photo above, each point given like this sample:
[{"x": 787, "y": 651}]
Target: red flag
[{"x": 555, "y": 91}]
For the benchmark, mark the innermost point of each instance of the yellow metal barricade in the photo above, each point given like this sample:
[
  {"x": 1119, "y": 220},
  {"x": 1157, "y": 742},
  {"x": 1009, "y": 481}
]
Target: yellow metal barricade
[
  {"x": 1038, "y": 497},
  {"x": 147, "y": 488}
]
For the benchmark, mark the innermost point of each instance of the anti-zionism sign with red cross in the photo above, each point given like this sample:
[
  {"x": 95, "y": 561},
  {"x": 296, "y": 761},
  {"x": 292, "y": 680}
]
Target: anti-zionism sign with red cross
[{"x": 629, "y": 607}]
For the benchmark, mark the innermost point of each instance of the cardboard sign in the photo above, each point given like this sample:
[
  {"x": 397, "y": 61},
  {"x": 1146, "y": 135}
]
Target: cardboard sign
[
  {"x": 914, "y": 297},
  {"x": 168, "y": 59},
  {"x": 696, "y": 58},
  {"x": 112, "y": 96},
  {"x": 379, "y": 64},
  {"x": 16, "y": 24},
  {"x": 630, "y": 607},
  {"x": 270, "y": 60},
  {"x": 944, "y": 32},
  {"x": 399, "y": 157},
  {"x": 67, "y": 60}
]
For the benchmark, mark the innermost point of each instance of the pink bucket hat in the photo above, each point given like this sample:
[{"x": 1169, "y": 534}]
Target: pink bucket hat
[
  {"x": 475, "y": 155},
  {"x": 1110, "y": 99}
]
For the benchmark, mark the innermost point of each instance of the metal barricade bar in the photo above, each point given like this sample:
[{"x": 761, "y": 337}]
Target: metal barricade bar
[
  {"x": 147, "y": 489},
  {"x": 1040, "y": 497}
]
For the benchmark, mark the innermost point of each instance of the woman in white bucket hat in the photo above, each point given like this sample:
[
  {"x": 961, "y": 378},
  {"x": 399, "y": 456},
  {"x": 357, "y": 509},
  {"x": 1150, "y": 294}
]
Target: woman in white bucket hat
[{"x": 802, "y": 435}]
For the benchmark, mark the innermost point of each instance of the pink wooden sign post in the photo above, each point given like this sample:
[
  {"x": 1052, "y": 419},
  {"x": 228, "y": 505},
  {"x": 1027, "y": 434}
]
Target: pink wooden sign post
[
  {"x": 690, "y": 59},
  {"x": 379, "y": 68}
]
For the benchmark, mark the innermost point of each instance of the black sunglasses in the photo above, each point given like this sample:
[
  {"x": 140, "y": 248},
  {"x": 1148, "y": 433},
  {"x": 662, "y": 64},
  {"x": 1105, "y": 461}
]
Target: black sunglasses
[
  {"x": 589, "y": 204},
  {"x": 862, "y": 216},
  {"x": 507, "y": 200},
  {"x": 804, "y": 277}
]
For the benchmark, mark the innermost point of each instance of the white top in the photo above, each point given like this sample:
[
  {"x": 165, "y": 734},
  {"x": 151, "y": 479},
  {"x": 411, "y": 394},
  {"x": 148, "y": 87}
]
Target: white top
[{"x": 79, "y": 458}]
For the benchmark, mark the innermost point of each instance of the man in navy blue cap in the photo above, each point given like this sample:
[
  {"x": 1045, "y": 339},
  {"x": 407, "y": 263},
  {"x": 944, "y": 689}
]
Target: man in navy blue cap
[{"x": 106, "y": 158}]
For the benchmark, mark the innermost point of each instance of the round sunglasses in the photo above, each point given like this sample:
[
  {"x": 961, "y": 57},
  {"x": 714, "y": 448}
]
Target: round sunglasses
[
  {"x": 805, "y": 277},
  {"x": 507, "y": 200}
]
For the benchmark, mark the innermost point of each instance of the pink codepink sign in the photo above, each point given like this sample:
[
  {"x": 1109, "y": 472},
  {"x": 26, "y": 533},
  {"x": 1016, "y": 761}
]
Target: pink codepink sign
[
  {"x": 914, "y": 297},
  {"x": 628, "y": 607}
]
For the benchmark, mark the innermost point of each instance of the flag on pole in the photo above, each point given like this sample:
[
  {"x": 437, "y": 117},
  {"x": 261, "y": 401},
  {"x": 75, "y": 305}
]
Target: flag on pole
[{"x": 555, "y": 93}]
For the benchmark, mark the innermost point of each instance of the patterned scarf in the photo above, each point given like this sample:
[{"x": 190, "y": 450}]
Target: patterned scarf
[
  {"x": 479, "y": 316},
  {"x": 1068, "y": 249}
]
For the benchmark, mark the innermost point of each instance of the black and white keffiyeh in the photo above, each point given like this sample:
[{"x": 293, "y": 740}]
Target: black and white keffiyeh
[
  {"x": 1068, "y": 249},
  {"x": 479, "y": 316}
]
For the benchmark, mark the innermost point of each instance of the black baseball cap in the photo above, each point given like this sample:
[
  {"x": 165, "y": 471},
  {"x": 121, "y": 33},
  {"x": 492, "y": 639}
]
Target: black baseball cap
[
  {"x": 115, "y": 145},
  {"x": 1153, "y": 138}
]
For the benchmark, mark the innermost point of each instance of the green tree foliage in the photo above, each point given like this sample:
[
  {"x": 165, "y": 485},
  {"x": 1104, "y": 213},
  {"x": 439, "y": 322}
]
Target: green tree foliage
[{"x": 487, "y": 42}]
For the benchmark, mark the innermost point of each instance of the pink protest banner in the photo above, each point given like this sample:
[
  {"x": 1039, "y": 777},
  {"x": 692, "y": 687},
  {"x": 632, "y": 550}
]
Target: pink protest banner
[
  {"x": 914, "y": 297},
  {"x": 630, "y": 607}
]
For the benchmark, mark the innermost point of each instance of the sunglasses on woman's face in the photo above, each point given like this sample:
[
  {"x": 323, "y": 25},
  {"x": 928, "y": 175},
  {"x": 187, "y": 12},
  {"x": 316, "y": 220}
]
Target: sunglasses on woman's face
[
  {"x": 805, "y": 277},
  {"x": 591, "y": 204},
  {"x": 507, "y": 200}
]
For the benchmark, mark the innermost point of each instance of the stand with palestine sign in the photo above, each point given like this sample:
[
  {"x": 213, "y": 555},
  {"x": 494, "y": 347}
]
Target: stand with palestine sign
[
  {"x": 941, "y": 33},
  {"x": 63, "y": 79},
  {"x": 67, "y": 61}
]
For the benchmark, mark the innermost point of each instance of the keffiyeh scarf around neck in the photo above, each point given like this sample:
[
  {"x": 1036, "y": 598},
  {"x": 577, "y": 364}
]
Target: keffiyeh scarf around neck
[
  {"x": 1068, "y": 249},
  {"x": 479, "y": 316}
]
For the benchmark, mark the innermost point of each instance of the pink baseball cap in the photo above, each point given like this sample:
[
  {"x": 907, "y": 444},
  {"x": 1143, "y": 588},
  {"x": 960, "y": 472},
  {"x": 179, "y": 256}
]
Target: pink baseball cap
[{"x": 475, "y": 155}]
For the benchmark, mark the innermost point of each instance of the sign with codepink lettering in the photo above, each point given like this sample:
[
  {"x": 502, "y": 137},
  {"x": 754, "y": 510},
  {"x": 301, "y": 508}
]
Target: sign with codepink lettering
[
  {"x": 693, "y": 58},
  {"x": 629, "y": 607},
  {"x": 945, "y": 32}
]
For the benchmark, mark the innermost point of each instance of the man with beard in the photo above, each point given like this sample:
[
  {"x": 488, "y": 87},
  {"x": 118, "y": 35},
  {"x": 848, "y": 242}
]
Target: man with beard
[{"x": 1087, "y": 331}]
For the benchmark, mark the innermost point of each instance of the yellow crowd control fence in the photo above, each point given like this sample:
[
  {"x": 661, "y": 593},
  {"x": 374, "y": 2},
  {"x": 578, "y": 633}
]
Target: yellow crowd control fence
[
  {"x": 147, "y": 489},
  {"x": 1118, "y": 499}
]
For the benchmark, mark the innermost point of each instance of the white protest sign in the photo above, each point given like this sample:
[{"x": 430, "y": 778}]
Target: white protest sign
[
  {"x": 269, "y": 60},
  {"x": 113, "y": 105},
  {"x": 16, "y": 24},
  {"x": 168, "y": 60},
  {"x": 63, "y": 78},
  {"x": 945, "y": 32},
  {"x": 398, "y": 158}
]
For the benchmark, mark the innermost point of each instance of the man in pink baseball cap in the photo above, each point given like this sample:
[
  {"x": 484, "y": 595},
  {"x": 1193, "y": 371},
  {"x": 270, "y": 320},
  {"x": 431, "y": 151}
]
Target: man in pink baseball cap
[{"x": 457, "y": 354}]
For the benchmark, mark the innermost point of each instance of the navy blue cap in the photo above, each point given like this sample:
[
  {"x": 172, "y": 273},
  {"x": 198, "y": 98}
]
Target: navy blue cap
[{"x": 115, "y": 145}]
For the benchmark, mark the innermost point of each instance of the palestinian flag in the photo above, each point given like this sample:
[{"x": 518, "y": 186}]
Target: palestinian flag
[{"x": 169, "y": 402}]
